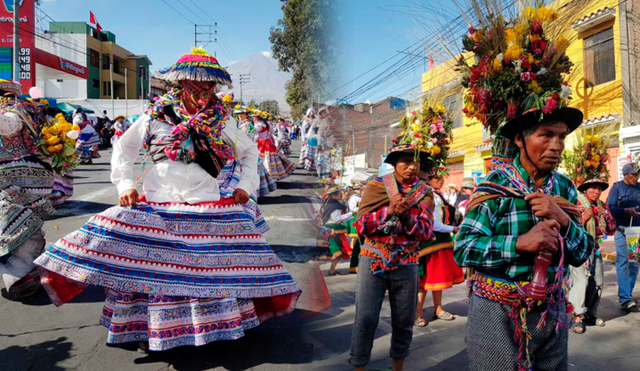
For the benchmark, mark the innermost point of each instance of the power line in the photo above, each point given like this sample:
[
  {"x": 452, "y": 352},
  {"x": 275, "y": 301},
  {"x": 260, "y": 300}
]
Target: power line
[
  {"x": 192, "y": 12},
  {"x": 386, "y": 76},
  {"x": 224, "y": 42},
  {"x": 176, "y": 10}
]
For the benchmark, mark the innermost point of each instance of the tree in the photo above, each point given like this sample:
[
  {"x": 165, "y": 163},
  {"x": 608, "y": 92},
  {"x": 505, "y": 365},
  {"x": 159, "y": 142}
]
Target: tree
[
  {"x": 270, "y": 106},
  {"x": 303, "y": 43},
  {"x": 252, "y": 103}
]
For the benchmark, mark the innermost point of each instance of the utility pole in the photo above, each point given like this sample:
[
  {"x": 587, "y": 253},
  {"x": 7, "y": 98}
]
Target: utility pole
[
  {"x": 113, "y": 108},
  {"x": 16, "y": 41},
  {"x": 245, "y": 78},
  {"x": 204, "y": 34}
]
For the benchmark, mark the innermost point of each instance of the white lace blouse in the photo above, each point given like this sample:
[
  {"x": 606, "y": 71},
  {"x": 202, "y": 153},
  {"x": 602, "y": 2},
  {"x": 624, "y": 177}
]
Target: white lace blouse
[{"x": 176, "y": 181}]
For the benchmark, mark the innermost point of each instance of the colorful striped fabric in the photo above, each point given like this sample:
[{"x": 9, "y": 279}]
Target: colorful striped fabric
[
  {"x": 167, "y": 322},
  {"x": 206, "y": 250},
  {"x": 62, "y": 188},
  {"x": 228, "y": 179},
  {"x": 267, "y": 183},
  {"x": 278, "y": 165}
]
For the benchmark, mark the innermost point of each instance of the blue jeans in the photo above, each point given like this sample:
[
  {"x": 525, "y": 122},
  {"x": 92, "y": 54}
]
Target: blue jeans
[{"x": 626, "y": 270}]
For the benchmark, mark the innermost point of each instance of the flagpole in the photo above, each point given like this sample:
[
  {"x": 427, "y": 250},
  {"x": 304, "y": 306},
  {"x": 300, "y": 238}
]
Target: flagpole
[
  {"x": 113, "y": 110},
  {"x": 126, "y": 93}
]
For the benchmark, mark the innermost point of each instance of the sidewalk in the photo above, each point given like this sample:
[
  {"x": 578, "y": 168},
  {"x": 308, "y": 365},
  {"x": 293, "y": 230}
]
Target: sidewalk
[{"x": 608, "y": 249}]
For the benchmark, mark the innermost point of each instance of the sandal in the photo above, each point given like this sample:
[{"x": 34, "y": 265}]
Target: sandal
[
  {"x": 599, "y": 322},
  {"x": 445, "y": 316},
  {"x": 334, "y": 274},
  {"x": 420, "y": 322},
  {"x": 578, "y": 327}
]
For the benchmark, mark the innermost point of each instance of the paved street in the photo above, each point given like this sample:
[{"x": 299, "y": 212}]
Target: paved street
[{"x": 35, "y": 335}]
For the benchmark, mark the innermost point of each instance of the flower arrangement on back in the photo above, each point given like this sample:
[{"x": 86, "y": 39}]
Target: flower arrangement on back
[
  {"x": 516, "y": 68},
  {"x": 429, "y": 129},
  {"x": 58, "y": 141},
  {"x": 589, "y": 158}
]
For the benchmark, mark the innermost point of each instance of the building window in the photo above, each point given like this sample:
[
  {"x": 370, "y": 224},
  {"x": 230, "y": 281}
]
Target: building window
[
  {"x": 599, "y": 58},
  {"x": 94, "y": 58},
  {"x": 106, "y": 61},
  {"x": 453, "y": 104},
  {"x": 95, "y": 83},
  {"x": 106, "y": 88},
  {"x": 116, "y": 66}
]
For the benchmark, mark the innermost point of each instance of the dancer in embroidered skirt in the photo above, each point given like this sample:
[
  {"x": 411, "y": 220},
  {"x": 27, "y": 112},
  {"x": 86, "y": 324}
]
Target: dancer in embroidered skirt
[
  {"x": 395, "y": 216},
  {"x": 284, "y": 142},
  {"x": 277, "y": 164},
  {"x": 89, "y": 140},
  {"x": 304, "y": 133},
  {"x": 120, "y": 126},
  {"x": 26, "y": 182},
  {"x": 182, "y": 264},
  {"x": 267, "y": 183},
  {"x": 438, "y": 270}
]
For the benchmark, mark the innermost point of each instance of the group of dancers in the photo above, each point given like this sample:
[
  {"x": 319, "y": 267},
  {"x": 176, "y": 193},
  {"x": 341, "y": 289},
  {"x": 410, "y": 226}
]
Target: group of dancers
[
  {"x": 182, "y": 258},
  {"x": 273, "y": 164}
]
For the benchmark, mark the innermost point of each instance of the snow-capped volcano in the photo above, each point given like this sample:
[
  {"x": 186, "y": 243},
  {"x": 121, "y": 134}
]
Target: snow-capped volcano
[{"x": 266, "y": 81}]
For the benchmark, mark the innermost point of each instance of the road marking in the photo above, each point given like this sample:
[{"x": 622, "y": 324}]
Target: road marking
[
  {"x": 93, "y": 196},
  {"x": 286, "y": 218}
]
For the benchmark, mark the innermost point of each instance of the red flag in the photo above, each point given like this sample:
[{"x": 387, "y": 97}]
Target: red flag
[
  {"x": 98, "y": 27},
  {"x": 92, "y": 18},
  {"x": 431, "y": 62}
]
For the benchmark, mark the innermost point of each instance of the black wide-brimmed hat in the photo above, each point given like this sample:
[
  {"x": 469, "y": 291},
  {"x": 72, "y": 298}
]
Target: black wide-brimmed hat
[
  {"x": 402, "y": 150},
  {"x": 572, "y": 117},
  {"x": 595, "y": 181}
]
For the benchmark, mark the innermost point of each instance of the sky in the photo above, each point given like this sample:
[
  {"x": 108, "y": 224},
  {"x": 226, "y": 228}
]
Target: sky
[
  {"x": 373, "y": 31},
  {"x": 153, "y": 28},
  {"x": 369, "y": 33}
]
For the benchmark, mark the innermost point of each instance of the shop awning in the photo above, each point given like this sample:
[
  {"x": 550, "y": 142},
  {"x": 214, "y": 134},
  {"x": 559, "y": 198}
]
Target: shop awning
[{"x": 68, "y": 107}]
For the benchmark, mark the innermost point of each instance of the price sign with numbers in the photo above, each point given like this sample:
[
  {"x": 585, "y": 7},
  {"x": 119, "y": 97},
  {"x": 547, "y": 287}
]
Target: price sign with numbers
[{"x": 25, "y": 63}]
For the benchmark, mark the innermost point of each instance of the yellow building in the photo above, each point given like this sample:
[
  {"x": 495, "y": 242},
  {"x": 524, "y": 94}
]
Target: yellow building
[{"x": 596, "y": 81}]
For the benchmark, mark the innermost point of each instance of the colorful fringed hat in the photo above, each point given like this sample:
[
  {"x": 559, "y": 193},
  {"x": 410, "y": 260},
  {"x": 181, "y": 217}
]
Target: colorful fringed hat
[
  {"x": 7, "y": 86},
  {"x": 595, "y": 181},
  {"x": 196, "y": 66}
]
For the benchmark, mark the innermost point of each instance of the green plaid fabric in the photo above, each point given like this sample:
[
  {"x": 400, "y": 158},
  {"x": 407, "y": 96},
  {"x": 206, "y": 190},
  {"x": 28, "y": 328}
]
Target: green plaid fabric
[{"x": 488, "y": 234}]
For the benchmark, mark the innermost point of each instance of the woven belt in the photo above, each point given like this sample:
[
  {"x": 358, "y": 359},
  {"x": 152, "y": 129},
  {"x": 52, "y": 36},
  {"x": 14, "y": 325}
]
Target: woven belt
[{"x": 514, "y": 294}]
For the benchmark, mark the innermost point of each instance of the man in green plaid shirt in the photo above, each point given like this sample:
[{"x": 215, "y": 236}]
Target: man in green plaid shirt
[
  {"x": 519, "y": 211},
  {"x": 489, "y": 234}
]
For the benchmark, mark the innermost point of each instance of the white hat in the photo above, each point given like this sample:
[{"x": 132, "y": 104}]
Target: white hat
[{"x": 310, "y": 111}]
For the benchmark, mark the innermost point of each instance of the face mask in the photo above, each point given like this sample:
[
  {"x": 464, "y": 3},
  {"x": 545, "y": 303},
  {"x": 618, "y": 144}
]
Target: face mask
[{"x": 199, "y": 96}]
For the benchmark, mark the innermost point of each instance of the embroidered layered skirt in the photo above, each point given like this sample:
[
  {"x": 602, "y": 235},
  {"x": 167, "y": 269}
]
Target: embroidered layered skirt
[
  {"x": 228, "y": 179},
  {"x": 284, "y": 143},
  {"x": 62, "y": 187},
  {"x": 276, "y": 163},
  {"x": 267, "y": 183},
  {"x": 310, "y": 155},
  {"x": 25, "y": 187},
  {"x": 175, "y": 274},
  {"x": 438, "y": 269},
  {"x": 87, "y": 146},
  {"x": 303, "y": 154}
]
